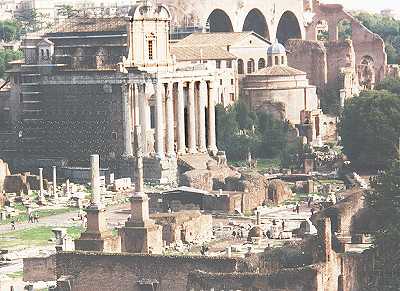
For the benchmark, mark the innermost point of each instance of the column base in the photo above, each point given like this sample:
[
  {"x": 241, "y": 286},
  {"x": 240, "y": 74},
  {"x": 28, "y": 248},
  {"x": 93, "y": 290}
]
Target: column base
[{"x": 212, "y": 151}]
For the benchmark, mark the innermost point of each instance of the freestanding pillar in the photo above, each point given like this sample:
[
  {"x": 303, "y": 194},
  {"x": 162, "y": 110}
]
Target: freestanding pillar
[
  {"x": 212, "y": 143},
  {"x": 41, "y": 190},
  {"x": 181, "y": 119},
  {"x": 140, "y": 234},
  {"x": 68, "y": 189},
  {"x": 192, "y": 119},
  {"x": 126, "y": 121},
  {"x": 143, "y": 115},
  {"x": 202, "y": 117},
  {"x": 170, "y": 121},
  {"x": 55, "y": 182},
  {"x": 96, "y": 236},
  {"x": 159, "y": 142}
]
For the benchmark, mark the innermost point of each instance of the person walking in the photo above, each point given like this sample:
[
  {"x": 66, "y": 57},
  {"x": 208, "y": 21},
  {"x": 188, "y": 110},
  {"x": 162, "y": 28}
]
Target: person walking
[{"x": 12, "y": 224}]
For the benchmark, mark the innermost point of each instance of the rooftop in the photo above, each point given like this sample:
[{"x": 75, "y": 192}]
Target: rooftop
[
  {"x": 74, "y": 25},
  {"x": 220, "y": 39},
  {"x": 278, "y": 71},
  {"x": 189, "y": 53}
]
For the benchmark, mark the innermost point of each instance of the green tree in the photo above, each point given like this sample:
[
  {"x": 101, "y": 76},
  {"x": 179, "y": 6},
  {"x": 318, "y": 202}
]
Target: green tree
[
  {"x": 10, "y": 30},
  {"x": 389, "y": 84},
  {"x": 67, "y": 11},
  {"x": 8, "y": 56},
  {"x": 370, "y": 129},
  {"x": 385, "y": 201},
  {"x": 330, "y": 101}
]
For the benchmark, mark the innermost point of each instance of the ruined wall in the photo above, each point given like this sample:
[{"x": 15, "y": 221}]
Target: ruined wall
[
  {"x": 91, "y": 271},
  {"x": 339, "y": 55},
  {"x": 40, "y": 269},
  {"x": 302, "y": 279},
  {"x": 310, "y": 57},
  {"x": 365, "y": 42},
  {"x": 356, "y": 270}
]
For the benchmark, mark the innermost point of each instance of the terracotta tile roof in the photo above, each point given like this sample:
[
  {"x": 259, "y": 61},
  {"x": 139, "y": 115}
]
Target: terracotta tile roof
[
  {"x": 278, "y": 71},
  {"x": 187, "y": 53},
  {"x": 116, "y": 24},
  {"x": 221, "y": 39}
]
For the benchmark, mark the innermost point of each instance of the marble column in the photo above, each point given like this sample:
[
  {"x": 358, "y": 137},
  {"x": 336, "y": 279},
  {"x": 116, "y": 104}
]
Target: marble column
[
  {"x": 136, "y": 104},
  {"x": 55, "y": 182},
  {"x": 95, "y": 180},
  {"x": 212, "y": 143},
  {"x": 126, "y": 121},
  {"x": 202, "y": 116},
  {"x": 41, "y": 190},
  {"x": 139, "y": 178},
  {"x": 159, "y": 138},
  {"x": 68, "y": 189},
  {"x": 181, "y": 119},
  {"x": 143, "y": 116},
  {"x": 191, "y": 119},
  {"x": 170, "y": 120}
]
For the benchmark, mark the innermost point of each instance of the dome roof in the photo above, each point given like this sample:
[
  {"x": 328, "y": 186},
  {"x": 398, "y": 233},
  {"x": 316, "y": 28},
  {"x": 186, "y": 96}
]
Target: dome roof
[{"x": 276, "y": 48}]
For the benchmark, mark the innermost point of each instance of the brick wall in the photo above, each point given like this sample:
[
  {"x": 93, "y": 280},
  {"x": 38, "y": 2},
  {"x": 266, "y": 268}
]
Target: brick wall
[
  {"x": 40, "y": 269},
  {"x": 91, "y": 271}
]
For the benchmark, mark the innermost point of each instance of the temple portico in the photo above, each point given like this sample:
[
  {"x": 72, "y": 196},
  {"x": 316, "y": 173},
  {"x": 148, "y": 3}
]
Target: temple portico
[{"x": 177, "y": 113}]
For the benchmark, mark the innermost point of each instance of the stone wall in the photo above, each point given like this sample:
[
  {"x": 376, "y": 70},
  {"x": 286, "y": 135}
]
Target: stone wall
[
  {"x": 40, "y": 269},
  {"x": 310, "y": 57},
  {"x": 302, "y": 279},
  {"x": 94, "y": 271},
  {"x": 4, "y": 171}
]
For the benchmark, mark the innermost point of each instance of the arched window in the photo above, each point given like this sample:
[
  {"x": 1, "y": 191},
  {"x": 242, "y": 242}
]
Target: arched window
[
  {"x": 270, "y": 61},
  {"x": 282, "y": 60},
  {"x": 276, "y": 60},
  {"x": 48, "y": 53},
  {"x": 250, "y": 66},
  {"x": 261, "y": 63},
  {"x": 240, "y": 67},
  {"x": 42, "y": 52}
]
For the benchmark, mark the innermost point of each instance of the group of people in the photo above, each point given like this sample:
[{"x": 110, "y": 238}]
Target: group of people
[{"x": 32, "y": 217}]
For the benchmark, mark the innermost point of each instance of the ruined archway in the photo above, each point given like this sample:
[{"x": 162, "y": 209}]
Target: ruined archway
[
  {"x": 255, "y": 21},
  {"x": 219, "y": 21},
  {"x": 288, "y": 27}
]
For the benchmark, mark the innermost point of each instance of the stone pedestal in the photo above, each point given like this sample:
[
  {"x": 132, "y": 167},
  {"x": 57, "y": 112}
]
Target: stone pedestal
[
  {"x": 97, "y": 237},
  {"x": 161, "y": 171},
  {"x": 140, "y": 234}
]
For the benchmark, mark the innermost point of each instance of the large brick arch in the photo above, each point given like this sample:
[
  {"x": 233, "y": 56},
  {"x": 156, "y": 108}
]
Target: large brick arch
[
  {"x": 219, "y": 21},
  {"x": 256, "y": 21},
  {"x": 288, "y": 27}
]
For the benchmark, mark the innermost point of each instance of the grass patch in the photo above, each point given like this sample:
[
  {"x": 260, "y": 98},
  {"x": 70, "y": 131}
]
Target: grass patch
[
  {"x": 262, "y": 164},
  {"x": 23, "y": 217},
  {"x": 37, "y": 236},
  {"x": 16, "y": 275}
]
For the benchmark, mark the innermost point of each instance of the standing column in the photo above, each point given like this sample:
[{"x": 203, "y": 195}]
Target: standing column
[
  {"x": 67, "y": 186},
  {"x": 170, "y": 120},
  {"x": 136, "y": 104},
  {"x": 41, "y": 190},
  {"x": 126, "y": 121},
  {"x": 159, "y": 143},
  {"x": 212, "y": 144},
  {"x": 143, "y": 116},
  {"x": 55, "y": 182},
  {"x": 181, "y": 120},
  {"x": 192, "y": 119},
  {"x": 202, "y": 116},
  {"x": 95, "y": 180}
]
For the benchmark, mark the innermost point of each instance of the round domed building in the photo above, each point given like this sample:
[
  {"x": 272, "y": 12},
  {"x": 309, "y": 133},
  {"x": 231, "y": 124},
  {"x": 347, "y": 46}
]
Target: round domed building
[{"x": 280, "y": 89}]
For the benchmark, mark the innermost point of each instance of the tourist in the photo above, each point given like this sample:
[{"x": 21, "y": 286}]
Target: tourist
[
  {"x": 36, "y": 218},
  {"x": 12, "y": 225},
  {"x": 298, "y": 208},
  {"x": 283, "y": 225}
]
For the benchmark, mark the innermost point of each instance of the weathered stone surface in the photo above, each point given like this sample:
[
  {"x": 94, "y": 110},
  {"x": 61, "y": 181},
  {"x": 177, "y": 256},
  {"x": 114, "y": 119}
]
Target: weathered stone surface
[{"x": 278, "y": 191}]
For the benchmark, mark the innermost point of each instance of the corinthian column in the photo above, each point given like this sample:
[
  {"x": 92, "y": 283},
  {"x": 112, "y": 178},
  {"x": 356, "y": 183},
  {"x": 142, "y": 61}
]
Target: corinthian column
[
  {"x": 126, "y": 121},
  {"x": 170, "y": 121},
  {"x": 181, "y": 120},
  {"x": 159, "y": 143},
  {"x": 202, "y": 117},
  {"x": 192, "y": 119},
  {"x": 212, "y": 144},
  {"x": 143, "y": 116}
]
